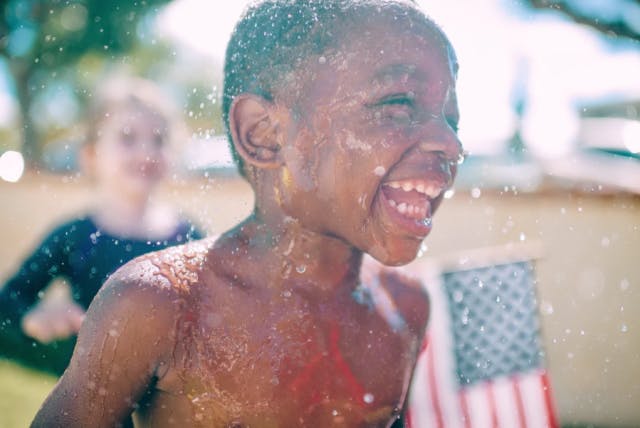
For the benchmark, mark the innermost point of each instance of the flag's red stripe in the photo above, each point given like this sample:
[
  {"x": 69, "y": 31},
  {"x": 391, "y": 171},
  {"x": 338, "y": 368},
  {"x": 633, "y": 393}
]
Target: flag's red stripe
[
  {"x": 464, "y": 408},
  {"x": 522, "y": 417},
  {"x": 433, "y": 387},
  {"x": 548, "y": 400},
  {"x": 425, "y": 343},
  {"x": 492, "y": 404}
]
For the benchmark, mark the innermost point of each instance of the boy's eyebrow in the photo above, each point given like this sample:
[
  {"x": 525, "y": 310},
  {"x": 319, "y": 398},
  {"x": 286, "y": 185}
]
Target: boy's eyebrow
[{"x": 394, "y": 70}]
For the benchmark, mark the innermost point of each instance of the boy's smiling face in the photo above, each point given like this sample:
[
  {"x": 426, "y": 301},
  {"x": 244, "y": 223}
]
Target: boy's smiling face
[{"x": 373, "y": 146}]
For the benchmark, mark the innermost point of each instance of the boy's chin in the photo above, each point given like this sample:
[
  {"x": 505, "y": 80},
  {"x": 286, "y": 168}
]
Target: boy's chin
[{"x": 394, "y": 256}]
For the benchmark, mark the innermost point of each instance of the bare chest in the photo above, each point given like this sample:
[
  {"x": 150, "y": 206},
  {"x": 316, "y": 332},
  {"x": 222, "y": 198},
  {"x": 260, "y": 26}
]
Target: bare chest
[{"x": 260, "y": 365}]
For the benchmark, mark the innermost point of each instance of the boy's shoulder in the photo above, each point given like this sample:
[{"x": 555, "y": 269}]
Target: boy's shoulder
[
  {"x": 397, "y": 291},
  {"x": 175, "y": 269},
  {"x": 151, "y": 292},
  {"x": 410, "y": 296}
]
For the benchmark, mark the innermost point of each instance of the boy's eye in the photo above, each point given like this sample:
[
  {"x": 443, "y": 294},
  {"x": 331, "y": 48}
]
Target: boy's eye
[
  {"x": 397, "y": 107},
  {"x": 399, "y": 99},
  {"x": 453, "y": 123}
]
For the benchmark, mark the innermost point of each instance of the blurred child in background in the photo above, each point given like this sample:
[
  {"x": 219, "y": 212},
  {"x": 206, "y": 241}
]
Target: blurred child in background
[{"x": 131, "y": 127}]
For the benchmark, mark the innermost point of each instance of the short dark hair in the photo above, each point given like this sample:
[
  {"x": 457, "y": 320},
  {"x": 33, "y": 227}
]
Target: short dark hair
[{"x": 273, "y": 37}]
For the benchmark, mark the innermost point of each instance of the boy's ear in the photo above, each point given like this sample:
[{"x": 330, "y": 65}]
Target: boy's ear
[{"x": 255, "y": 130}]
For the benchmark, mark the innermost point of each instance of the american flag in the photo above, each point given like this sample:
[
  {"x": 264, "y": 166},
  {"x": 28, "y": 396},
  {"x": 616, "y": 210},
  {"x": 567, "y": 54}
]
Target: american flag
[{"x": 482, "y": 364}]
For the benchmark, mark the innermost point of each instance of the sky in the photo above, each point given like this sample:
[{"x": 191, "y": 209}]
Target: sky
[{"x": 562, "y": 65}]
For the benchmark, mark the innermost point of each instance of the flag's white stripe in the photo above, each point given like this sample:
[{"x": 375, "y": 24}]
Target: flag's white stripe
[
  {"x": 430, "y": 410},
  {"x": 506, "y": 403},
  {"x": 443, "y": 357},
  {"x": 534, "y": 403},
  {"x": 479, "y": 406},
  {"x": 421, "y": 404}
]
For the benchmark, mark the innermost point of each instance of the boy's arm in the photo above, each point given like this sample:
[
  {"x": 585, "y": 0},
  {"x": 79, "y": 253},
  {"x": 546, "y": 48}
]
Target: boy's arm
[{"x": 127, "y": 333}]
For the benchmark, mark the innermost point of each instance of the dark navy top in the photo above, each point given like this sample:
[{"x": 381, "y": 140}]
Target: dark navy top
[{"x": 85, "y": 256}]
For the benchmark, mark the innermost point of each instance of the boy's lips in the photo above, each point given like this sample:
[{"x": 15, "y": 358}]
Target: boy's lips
[{"x": 409, "y": 203}]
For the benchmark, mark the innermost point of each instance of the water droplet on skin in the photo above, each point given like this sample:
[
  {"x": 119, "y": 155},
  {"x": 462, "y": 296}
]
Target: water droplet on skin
[
  {"x": 449, "y": 194},
  {"x": 368, "y": 398},
  {"x": 423, "y": 249},
  {"x": 476, "y": 192},
  {"x": 379, "y": 171},
  {"x": 301, "y": 268}
]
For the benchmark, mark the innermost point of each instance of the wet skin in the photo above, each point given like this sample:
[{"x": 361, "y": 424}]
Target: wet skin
[
  {"x": 379, "y": 111},
  {"x": 263, "y": 326}
]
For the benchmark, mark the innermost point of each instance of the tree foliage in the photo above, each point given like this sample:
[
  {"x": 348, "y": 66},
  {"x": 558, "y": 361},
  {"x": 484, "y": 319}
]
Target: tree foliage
[
  {"x": 38, "y": 37},
  {"x": 619, "y": 18}
]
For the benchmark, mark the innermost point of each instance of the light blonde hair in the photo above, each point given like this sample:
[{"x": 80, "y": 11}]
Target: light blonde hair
[{"x": 120, "y": 92}]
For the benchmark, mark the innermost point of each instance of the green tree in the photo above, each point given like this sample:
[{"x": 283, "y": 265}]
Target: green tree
[
  {"x": 617, "y": 18},
  {"x": 38, "y": 37}
]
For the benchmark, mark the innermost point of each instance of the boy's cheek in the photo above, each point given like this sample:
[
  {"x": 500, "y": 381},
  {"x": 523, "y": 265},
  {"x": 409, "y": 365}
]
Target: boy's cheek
[{"x": 296, "y": 173}]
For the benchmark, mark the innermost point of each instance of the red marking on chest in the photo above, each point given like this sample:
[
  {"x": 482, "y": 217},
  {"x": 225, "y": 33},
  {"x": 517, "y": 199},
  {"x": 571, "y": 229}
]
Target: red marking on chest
[{"x": 328, "y": 371}]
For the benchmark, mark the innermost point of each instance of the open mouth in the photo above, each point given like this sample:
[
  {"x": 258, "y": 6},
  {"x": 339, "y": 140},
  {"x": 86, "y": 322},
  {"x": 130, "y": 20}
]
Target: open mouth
[{"x": 410, "y": 203}]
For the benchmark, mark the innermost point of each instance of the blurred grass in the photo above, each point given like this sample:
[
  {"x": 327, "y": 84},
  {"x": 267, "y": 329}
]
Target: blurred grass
[{"x": 22, "y": 390}]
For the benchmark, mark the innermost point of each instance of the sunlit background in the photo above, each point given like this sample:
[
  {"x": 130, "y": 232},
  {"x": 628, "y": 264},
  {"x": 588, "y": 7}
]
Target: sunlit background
[
  {"x": 549, "y": 94},
  {"x": 530, "y": 80}
]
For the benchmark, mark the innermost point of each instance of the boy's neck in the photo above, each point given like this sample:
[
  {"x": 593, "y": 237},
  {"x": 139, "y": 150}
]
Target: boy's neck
[{"x": 299, "y": 260}]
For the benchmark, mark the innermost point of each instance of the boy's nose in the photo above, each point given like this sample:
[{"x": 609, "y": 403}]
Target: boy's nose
[{"x": 440, "y": 137}]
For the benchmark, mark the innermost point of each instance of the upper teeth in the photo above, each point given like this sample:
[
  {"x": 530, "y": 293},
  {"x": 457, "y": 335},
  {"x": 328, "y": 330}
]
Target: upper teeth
[{"x": 431, "y": 190}]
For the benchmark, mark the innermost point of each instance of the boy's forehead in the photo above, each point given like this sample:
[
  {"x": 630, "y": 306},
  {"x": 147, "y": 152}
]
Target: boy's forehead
[
  {"x": 374, "y": 42},
  {"x": 404, "y": 36}
]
